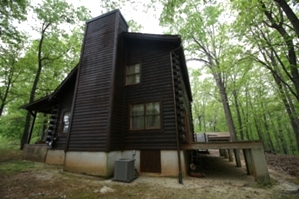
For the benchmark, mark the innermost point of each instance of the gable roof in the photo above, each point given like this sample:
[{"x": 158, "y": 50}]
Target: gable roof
[{"x": 45, "y": 104}]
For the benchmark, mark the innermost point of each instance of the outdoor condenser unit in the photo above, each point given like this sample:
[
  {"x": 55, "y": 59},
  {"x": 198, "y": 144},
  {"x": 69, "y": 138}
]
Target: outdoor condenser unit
[{"x": 124, "y": 170}]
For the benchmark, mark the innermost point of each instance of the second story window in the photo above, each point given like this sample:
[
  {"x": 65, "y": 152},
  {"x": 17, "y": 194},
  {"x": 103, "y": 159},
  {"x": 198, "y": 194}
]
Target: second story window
[{"x": 133, "y": 74}]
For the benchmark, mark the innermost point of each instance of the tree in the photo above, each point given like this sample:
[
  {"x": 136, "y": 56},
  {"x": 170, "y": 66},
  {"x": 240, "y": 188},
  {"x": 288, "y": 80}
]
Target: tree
[
  {"x": 273, "y": 45},
  {"x": 10, "y": 72},
  {"x": 10, "y": 12},
  {"x": 207, "y": 40},
  {"x": 53, "y": 15}
]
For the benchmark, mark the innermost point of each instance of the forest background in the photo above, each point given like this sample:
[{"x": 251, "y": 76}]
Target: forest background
[{"x": 242, "y": 58}]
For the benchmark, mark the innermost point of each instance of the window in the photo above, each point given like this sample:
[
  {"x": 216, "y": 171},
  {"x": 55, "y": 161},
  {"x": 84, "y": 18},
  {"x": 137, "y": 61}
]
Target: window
[
  {"x": 133, "y": 74},
  {"x": 65, "y": 122},
  {"x": 145, "y": 116}
]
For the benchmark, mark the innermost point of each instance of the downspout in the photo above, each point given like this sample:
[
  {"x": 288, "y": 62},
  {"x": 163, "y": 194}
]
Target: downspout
[{"x": 180, "y": 175}]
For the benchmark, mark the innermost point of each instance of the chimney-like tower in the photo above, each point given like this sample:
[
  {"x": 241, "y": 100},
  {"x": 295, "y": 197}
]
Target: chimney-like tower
[{"x": 93, "y": 99}]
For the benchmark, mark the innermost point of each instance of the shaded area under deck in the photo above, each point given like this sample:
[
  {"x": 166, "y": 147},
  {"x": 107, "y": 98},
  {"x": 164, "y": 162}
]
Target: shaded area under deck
[{"x": 253, "y": 151}]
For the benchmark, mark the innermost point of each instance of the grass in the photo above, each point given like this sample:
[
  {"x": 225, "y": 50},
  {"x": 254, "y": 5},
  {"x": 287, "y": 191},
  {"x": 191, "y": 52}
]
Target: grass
[
  {"x": 9, "y": 168},
  {"x": 11, "y": 159}
]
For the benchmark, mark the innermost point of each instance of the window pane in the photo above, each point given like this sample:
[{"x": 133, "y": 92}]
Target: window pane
[
  {"x": 130, "y": 70},
  {"x": 133, "y": 74},
  {"x": 137, "y": 68},
  {"x": 133, "y": 69},
  {"x": 66, "y": 122},
  {"x": 130, "y": 80},
  {"x": 153, "y": 108},
  {"x": 153, "y": 121},
  {"x": 138, "y": 122},
  {"x": 137, "y": 79},
  {"x": 138, "y": 110}
]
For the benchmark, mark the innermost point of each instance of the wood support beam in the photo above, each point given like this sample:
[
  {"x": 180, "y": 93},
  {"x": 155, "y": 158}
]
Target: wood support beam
[
  {"x": 237, "y": 158},
  {"x": 223, "y": 145}
]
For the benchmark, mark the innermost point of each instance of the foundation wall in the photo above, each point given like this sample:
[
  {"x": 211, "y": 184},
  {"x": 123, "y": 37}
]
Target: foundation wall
[
  {"x": 102, "y": 163},
  {"x": 55, "y": 157},
  {"x": 92, "y": 163},
  {"x": 35, "y": 152}
]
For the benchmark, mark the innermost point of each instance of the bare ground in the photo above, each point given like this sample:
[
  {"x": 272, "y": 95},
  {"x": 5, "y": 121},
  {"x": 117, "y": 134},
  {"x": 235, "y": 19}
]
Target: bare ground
[{"x": 23, "y": 179}]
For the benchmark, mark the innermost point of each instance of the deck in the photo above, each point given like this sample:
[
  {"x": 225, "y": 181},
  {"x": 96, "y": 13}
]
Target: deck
[{"x": 253, "y": 151}]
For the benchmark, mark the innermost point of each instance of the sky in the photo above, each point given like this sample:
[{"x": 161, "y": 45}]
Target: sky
[{"x": 148, "y": 21}]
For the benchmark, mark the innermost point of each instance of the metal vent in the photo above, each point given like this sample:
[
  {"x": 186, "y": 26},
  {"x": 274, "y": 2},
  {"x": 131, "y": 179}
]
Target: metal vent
[{"x": 124, "y": 170}]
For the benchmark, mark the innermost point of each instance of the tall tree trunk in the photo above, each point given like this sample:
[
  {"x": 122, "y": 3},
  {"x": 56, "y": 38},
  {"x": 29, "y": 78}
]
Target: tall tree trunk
[
  {"x": 290, "y": 14},
  {"x": 24, "y": 139},
  {"x": 6, "y": 92},
  {"x": 226, "y": 107},
  {"x": 288, "y": 40},
  {"x": 256, "y": 122},
  {"x": 238, "y": 114},
  {"x": 266, "y": 125},
  {"x": 286, "y": 99},
  {"x": 276, "y": 132},
  {"x": 246, "y": 131}
]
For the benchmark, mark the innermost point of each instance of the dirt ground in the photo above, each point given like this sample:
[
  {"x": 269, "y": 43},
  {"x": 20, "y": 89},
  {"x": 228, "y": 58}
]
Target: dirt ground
[{"x": 24, "y": 179}]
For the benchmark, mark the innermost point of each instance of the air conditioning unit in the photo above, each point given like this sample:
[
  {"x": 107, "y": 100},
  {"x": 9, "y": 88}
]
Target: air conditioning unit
[{"x": 124, "y": 170}]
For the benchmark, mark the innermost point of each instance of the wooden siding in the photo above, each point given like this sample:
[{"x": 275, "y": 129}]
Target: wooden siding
[
  {"x": 89, "y": 123},
  {"x": 155, "y": 85},
  {"x": 65, "y": 105},
  {"x": 116, "y": 123},
  {"x": 183, "y": 104}
]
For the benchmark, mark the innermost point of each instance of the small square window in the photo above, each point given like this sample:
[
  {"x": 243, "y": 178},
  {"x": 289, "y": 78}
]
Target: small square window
[{"x": 133, "y": 74}]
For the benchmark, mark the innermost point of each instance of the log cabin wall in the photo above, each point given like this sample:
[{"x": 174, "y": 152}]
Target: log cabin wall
[
  {"x": 182, "y": 97},
  {"x": 91, "y": 106},
  {"x": 66, "y": 99},
  {"x": 155, "y": 86},
  {"x": 115, "y": 134}
]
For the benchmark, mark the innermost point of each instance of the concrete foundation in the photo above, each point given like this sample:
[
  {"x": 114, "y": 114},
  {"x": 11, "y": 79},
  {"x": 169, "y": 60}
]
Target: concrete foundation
[
  {"x": 35, "y": 152},
  {"x": 55, "y": 157},
  {"x": 92, "y": 163},
  {"x": 102, "y": 163}
]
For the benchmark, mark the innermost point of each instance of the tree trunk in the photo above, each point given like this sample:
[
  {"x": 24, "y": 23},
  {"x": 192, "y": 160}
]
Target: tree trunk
[
  {"x": 238, "y": 114},
  {"x": 266, "y": 125},
  {"x": 290, "y": 14},
  {"x": 286, "y": 99},
  {"x": 5, "y": 95},
  {"x": 24, "y": 139},
  {"x": 292, "y": 58},
  {"x": 226, "y": 107}
]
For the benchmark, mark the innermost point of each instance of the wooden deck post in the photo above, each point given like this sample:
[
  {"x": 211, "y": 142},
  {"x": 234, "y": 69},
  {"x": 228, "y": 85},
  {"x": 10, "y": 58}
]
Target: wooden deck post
[
  {"x": 221, "y": 152},
  {"x": 260, "y": 170},
  {"x": 225, "y": 153},
  {"x": 237, "y": 157},
  {"x": 230, "y": 155},
  {"x": 248, "y": 161}
]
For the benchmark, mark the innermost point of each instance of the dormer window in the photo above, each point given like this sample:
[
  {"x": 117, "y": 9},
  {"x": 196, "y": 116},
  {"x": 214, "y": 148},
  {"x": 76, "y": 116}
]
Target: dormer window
[{"x": 133, "y": 74}]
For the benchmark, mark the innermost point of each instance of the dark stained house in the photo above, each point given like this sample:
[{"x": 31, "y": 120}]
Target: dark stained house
[{"x": 128, "y": 96}]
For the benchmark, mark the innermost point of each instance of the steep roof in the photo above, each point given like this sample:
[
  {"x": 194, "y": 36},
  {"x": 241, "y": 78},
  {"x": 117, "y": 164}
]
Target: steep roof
[{"x": 45, "y": 104}]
